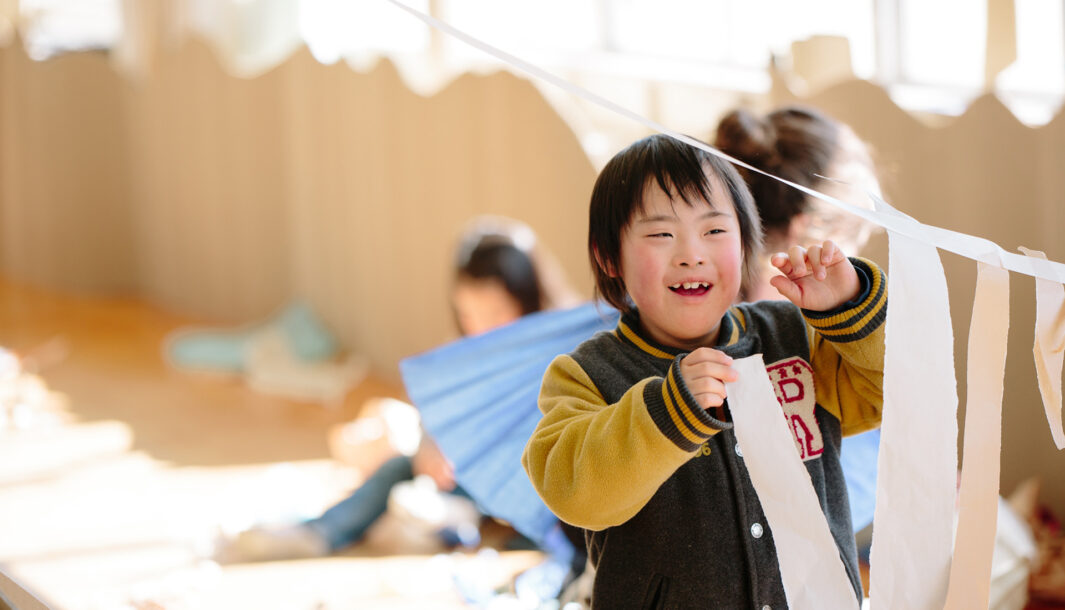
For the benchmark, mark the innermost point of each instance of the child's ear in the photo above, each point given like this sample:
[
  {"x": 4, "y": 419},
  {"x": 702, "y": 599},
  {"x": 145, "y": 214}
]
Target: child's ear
[{"x": 607, "y": 268}]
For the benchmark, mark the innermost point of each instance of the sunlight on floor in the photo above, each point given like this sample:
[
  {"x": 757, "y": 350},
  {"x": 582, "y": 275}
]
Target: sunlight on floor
[{"x": 114, "y": 488}]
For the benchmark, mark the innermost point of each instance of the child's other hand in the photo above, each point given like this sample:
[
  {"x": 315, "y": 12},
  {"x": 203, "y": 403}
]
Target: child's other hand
[
  {"x": 705, "y": 372},
  {"x": 820, "y": 278}
]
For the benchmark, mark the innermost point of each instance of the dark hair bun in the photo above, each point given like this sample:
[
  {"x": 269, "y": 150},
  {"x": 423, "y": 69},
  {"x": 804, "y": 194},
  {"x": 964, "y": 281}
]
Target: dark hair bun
[
  {"x": 749, "y": 138},
  {"x": 794, "y": 143}
]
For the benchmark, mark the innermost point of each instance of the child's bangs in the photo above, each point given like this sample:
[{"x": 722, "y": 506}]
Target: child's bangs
[{"x": 680, "y": 175}]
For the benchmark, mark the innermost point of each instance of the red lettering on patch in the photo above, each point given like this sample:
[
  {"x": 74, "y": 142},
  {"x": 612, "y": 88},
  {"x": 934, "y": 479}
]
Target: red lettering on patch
[{"x": 793, "y": 383}]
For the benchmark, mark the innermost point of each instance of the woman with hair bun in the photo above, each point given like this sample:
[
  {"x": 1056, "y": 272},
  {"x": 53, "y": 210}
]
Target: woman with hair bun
[{"x": 804, "y": 146}]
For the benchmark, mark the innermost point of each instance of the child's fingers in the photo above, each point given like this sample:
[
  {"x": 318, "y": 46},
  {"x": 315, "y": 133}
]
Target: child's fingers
[
  {"x": 781, "y": 261},
  {"x": 708, "y": 392},
  {"x": 706, "y": 354},
  {"x": 710, "y": 370},
  {"x": 817, "y": 264},
  {"x": 830, "y": 253},
  {"x": 705, "y": 372},
  {"x": 707, "y": 401},
  {"x": 707, "y": 362},
  {"x": 786, "y": 288},
  {"x": 822, "y": 257},
  {"x": 797, "y": 256}
]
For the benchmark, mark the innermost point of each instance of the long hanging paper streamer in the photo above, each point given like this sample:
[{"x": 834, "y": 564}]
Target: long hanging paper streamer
[
  {"x": 810, "y": 566},
  {"x": 974, "y": 546},
  {"x": 1049, "y": 340},
  {"x": 917, "y": 466}
]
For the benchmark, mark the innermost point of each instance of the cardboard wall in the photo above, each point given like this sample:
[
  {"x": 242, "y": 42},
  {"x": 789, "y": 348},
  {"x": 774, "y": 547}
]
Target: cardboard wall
[{"x": 225, "y": 198}]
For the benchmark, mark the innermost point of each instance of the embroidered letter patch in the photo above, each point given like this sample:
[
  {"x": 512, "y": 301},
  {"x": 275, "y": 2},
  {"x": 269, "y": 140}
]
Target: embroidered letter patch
[{"x": 793, "y": 382}]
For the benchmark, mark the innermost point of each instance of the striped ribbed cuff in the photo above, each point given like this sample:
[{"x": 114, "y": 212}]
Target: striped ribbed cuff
[
  {"x": 675, "y": 412},
  {"x": 860, "y": 317}
]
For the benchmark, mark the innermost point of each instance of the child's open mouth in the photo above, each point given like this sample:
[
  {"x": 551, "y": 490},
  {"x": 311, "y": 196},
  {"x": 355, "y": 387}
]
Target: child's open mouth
[{"x": 691, "y": 289}]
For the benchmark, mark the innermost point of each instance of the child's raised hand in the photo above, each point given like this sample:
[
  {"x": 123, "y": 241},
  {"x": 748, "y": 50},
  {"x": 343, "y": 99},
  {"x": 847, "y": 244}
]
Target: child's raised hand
[
  {"x": 820, "y": 278},
  {"x": 705, "y": 372}
]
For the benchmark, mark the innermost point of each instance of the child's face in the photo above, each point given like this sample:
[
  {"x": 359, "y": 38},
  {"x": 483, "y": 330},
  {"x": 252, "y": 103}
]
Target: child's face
[
  {"x": 670, "y": 244},
  {"x": 482, "y": 305}
]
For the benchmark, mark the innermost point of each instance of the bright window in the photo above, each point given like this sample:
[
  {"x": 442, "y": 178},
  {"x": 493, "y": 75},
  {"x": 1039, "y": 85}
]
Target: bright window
[
  {"x": 551, "y": 31},
  {"x": 737, "y": 32},
  {"x": 942, "y": 42},
  {"x": 333, "y": 29},
  {"x": 1040, "y": 65},
  {"x": 51, "y": 27}
]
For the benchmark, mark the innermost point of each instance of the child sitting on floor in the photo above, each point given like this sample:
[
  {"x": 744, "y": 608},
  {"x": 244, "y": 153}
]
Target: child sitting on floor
[{"x": 500, "y": 275}]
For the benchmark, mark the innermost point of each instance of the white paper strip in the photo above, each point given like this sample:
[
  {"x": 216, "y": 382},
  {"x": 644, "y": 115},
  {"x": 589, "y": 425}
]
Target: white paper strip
[
  {"x": 970, "y": 574},
  {"x": 810, "y": 565},
  {"x": 917, "y": 478},
  {"x": 1049, "y": 343}
]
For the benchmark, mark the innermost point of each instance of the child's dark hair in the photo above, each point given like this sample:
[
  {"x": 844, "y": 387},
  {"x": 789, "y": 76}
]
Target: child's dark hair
[
  {"x": 496, "y": 257},
  {"x": 678, "y": 169},
  {"x": 795, "y": 143}
]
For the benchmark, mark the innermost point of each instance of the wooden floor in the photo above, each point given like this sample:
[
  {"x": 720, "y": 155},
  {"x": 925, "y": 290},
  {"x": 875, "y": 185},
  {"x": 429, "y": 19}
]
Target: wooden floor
[{"x": 111, "y": 500}]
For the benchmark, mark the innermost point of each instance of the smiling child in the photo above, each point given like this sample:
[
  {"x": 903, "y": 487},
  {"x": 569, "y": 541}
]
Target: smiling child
[{"x": 635, "y": 444}]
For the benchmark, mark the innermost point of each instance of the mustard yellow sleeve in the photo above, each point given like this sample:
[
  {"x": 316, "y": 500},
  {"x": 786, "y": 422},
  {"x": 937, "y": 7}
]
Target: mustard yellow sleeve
[
  {"x": 847, "y": 354},
  {"x": 595, "y": 465}
]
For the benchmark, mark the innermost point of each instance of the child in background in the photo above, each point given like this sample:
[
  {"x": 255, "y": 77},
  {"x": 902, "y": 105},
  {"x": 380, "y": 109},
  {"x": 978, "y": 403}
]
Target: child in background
[
  {"x": 636, "y": 445},
  {"x": 500, "y": 275}
]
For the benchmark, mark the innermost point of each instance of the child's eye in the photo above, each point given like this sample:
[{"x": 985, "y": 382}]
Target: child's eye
[
  {"x": 715, "y": 231},
  {"x": 660, "y": 235}
]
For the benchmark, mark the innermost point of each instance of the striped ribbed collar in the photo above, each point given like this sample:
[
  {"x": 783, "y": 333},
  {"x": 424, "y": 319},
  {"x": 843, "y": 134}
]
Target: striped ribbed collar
[{"x": 733, "y": 326}]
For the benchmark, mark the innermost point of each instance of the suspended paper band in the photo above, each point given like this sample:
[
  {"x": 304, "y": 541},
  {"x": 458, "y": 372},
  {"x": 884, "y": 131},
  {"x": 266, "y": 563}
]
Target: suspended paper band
[
  {"x": 810, "y": 566},
  {"x": 1049, "y": 342},
  {"x": 953, "y": 241},
  {"x": 917, "y": 466},
  {"x": 970, "y": 574}
]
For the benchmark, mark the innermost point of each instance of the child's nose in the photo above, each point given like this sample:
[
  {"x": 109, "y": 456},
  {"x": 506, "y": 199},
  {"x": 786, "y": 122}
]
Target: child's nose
[{"x": 689, "y": 255}]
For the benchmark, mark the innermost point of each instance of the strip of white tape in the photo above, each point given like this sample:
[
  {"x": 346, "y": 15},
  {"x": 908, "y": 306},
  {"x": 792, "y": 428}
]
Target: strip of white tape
[
  {"x": 974, "y": 546},
  {"x": 1049, "y": 344},
  {"x": 917, "y": 465},
  {"x": 810, "y": 565}
]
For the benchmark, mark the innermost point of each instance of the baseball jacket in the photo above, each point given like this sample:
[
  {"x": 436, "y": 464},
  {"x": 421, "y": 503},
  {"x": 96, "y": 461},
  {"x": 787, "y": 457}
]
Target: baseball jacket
[{"x": 659, "y": 484}]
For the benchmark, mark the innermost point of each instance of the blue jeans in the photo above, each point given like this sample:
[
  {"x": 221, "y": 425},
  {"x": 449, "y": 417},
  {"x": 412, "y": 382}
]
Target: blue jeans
[{"x": 347, "y": 521}]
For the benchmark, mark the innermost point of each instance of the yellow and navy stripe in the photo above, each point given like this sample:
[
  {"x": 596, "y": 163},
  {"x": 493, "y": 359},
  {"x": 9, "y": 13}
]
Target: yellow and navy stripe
[
  {"x": 733, "y": 326},
  {"x": 670, "y": 404},
  {"x": 676, "y": 413},
  {"x": 860, "y": 317},
  {"x": 625, "y": 331}
]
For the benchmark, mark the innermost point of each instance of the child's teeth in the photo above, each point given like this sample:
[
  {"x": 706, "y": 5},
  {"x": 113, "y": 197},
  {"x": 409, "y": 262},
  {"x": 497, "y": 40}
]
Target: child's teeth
[{"x": 690, "y": 285}]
